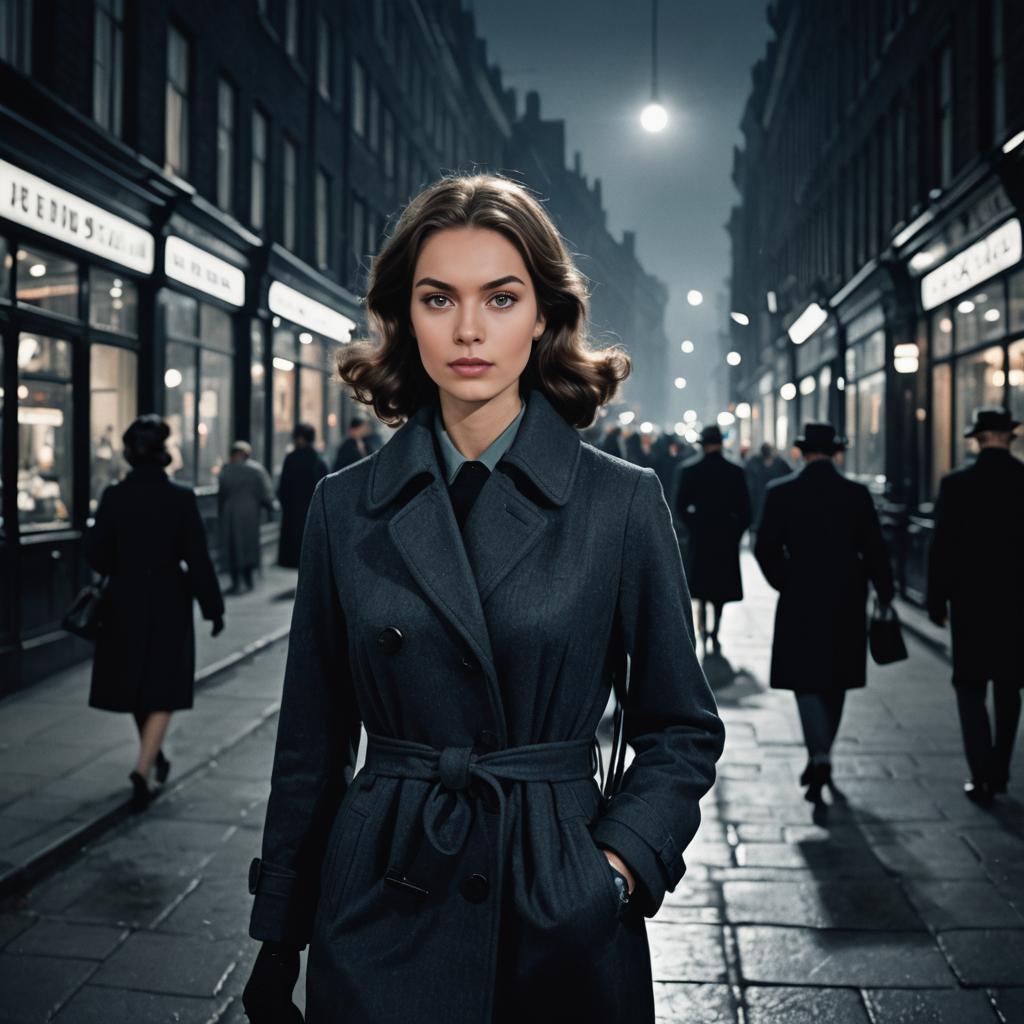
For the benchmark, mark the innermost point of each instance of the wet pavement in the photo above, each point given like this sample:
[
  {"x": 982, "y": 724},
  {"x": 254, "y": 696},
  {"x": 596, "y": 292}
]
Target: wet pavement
[{"x": 904, "y": 905}]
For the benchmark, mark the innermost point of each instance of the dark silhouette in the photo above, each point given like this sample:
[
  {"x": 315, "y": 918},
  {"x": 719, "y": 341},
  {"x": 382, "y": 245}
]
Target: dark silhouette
[
  {"x": 301, "y": 471},
  {"x": 356, "y": 446},
  {"x": 243, "y": 489},
  {"x": 761, "y": 470}
]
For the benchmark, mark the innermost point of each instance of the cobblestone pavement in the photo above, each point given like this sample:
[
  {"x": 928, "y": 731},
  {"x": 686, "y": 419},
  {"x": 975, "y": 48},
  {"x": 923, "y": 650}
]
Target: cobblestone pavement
[{"x": 903, "y": 907}]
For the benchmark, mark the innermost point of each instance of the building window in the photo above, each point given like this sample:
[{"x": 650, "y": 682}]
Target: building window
[
  {"x": 359, "y": 99},
  {"x": 291, "y": 28},
  {"x": 980, "y": 381},
  {"x": 44, "y": 432},
  {"x": 113, "y": 302},
  {"x": 47, "y": 281},
  {"x": 389, "y": 143},
  {"x": 113, "y": 404},
  {"x": 373, "y": 118},
  {"x": 945, "y": 96},
  {"x": 258, "y": 173},
  {"x": 998, "y": 72},
  {"x": 177, "y": 100},
  {"x": 108, "y": 64},
  {"x": 324, "y": 42},
  {"x": 291, "y": 196},
  {"x": 358, "y": 234},
  {"x": 16, "y": 33},
  {"x": 323, "y": 220},
  {"x": 225, "y": 144}
]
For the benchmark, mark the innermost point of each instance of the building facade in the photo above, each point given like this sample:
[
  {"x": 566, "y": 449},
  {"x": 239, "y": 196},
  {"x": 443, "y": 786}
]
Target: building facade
[
  {"x": 190, "y": 197},
  {"x": 877, "y": 242}
]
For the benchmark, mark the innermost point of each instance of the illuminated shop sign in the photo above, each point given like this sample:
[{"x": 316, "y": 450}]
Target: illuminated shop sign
[
  {"x": 997, "y": 251},
  {"x": 301, "y": 309},
  {"x": 203, "y": 271},
  {"x": 35, "y": 203}
]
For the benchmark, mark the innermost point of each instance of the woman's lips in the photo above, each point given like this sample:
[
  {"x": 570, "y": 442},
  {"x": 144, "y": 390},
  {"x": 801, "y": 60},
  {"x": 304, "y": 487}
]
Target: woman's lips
[{"x": 471, "y": 369}]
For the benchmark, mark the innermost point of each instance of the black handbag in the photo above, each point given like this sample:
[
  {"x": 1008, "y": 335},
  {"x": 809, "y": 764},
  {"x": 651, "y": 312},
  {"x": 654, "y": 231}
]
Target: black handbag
[
  {"x": 84, "y": 616},
  {"x": 885, "y": 638}
]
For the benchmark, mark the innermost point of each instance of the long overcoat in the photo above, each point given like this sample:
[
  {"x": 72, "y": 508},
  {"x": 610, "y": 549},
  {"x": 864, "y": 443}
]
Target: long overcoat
[
  {"x": 976, "y": 564},
  {"x": 458, "y": 876},
  {"x": 301, "y": 471},
  {"x": 243, "y": 489},
  {"x": 713, "y": 505},
  {"x": 148, "y": 539},
  {"x": 819, "y": 544}
]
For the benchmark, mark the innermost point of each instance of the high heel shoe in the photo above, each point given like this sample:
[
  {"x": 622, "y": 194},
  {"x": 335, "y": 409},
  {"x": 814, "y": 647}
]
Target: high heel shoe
[
  {"x": 161, "y": 767},
  {"x": 820, "y": 775},
  {"x": 142, "y": 795}
]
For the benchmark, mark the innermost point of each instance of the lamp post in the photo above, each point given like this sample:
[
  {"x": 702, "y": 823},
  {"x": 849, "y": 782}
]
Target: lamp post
[{"x": 654, "y": 117}]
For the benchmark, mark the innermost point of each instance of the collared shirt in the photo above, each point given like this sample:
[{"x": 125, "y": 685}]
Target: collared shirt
[{"x": 453, "y": 458}]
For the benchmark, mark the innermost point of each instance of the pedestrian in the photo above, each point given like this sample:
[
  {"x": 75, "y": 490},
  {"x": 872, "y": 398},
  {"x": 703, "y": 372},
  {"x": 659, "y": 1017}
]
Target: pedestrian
[
  {"x": 612, "y": 443},
  {"x": 713, "y": 505},
  {"x": 761, "y": 470},
  {"x": 666, "y": 458},
  {"x": 300, "y": 473},
  {"x": 976, "y": 573},
  {"x": 244, "y": 489},
  {"x": 146, "y": 528},
  {"x": 819, "y": 544},
  {"x": 355, "y": 446},
  {"x": 468, "y": 592}
]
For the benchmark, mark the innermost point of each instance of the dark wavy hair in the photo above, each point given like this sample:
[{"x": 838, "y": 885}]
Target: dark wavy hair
[
  {"x": 386, "y": 372},
  {"x": 145, "y": 442}
]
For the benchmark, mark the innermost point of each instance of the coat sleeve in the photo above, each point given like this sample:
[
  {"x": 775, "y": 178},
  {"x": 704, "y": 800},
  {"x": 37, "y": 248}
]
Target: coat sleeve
[
  {"x": 742, "y": 503},
  {"x": 938, "y": 557},
  {"x": 99, "y": 538},
  {"x": 770, "y": 549},
  {"x": 317, "y": 742},
  {"x": 670, "y": 715},
  {"x": 876, "y": 552},
  {"x": 205, "y": 585}
]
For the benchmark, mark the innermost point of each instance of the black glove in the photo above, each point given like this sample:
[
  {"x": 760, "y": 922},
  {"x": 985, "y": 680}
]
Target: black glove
[
  {"x": 267, "y": 997},
  {"x": 218, "y": 626}
]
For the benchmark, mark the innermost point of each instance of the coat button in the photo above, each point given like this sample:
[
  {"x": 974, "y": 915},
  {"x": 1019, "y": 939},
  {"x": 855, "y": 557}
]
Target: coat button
[
  {"x": 474, "y": 888},
  {"x": 389, "y": 640},
  {"x": 468, "y": 661}
]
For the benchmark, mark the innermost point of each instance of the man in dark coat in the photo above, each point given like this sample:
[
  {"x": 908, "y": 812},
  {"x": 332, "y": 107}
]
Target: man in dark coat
[
  {"x": 356, "y": 446},
  {"x": 761, "y": 470},
  {"x": 243, "y": 489},
  {"x": 713, "y": 505},
  {"x": 300, "y": 473},
  {"x": 819, "y": 544},
  {"x": 976, "y": 570}
]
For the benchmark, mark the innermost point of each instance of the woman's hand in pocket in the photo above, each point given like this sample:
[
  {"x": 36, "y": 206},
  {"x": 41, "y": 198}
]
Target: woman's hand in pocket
[{"x": 620, "y": 865}]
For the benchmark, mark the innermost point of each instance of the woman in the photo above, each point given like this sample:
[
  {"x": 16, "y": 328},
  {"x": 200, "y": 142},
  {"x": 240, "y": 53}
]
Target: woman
[
  {"x": 468, "y": 593},
  {"x": 146, "y": 529}
]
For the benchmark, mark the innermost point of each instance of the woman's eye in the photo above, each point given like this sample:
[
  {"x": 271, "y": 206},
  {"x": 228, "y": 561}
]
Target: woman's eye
[
  {"x": 436, "y": 301},
  {"x": 504, "y": 300}
]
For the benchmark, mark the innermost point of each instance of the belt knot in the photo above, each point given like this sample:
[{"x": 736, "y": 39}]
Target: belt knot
[{"x": 453, "y": 767}]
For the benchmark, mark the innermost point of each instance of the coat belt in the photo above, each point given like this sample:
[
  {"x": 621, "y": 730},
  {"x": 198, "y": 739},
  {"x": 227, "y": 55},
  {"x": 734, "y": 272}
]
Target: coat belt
[{"x": 449, "y": 807}]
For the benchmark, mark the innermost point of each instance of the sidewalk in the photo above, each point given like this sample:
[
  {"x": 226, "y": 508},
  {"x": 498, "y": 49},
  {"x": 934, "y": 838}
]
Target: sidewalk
[{"x": 64, "y": 766}]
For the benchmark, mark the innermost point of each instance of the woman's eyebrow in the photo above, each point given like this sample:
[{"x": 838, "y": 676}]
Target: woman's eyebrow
[{"x": 433, "y": 282}]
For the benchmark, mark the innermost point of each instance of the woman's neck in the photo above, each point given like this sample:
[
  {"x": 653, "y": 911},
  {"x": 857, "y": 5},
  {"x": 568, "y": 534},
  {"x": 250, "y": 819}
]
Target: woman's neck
[{"x": 474, "y": 426}]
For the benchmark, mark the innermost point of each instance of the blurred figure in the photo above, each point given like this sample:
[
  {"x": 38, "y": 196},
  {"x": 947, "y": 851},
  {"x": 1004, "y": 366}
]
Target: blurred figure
[
  {"x": 665, "y": 460},
  {"x": 713, "y": 504},
  {"x": 355, "y": 446},
  {"x": 819, "y": 544},
  {"x": 244, "y": 489},
  {"x": 373, "y": 439},
  {"x": 761, "y": 470},
  {"x": 975, "y": 570},
  {"x": 612, "y": 443},
  {"x": 301, "y": 471},
  {"x": 146, "y": 526}
]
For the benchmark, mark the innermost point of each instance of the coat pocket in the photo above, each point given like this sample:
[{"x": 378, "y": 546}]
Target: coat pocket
[{"x": 343, "y": 845}]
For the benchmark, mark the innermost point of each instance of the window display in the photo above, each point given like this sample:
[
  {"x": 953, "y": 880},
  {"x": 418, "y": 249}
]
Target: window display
[
  {"x": 113, "y": 393},
  {"x": 48, "y": 281},
  {"x": 980, "y": 380},
  {"x": 113, "y": 302},
  {"x": 180, "y": 410}
]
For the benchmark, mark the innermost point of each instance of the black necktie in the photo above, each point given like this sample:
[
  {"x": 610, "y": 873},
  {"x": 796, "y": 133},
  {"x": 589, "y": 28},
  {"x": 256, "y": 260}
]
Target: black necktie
[{"x": 464, "y": 489}]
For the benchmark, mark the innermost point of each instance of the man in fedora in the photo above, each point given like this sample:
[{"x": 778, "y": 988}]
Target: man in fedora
[
  {"x": 819, "y": 544},
  {"x": 976, "y": 571},
  {"x": 713, "y": 504}
]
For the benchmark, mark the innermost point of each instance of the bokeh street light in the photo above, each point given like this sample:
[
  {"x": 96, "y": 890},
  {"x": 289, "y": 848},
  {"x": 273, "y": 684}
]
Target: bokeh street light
[
  {"x": 654, "y": 117},
  {"x": 680, "y": 383},
  {"x": 687, "y": 346},
  {"x": 734, "y": 359},
  {"x": 694, "y": 297}
]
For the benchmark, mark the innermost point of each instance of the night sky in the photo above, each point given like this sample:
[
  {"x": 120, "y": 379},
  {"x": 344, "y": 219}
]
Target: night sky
[{"x": 590, "y": 62}]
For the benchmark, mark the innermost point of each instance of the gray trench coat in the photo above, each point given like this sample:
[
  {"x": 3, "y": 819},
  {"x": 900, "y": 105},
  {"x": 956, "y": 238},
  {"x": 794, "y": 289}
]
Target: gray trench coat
[
  {"x": 458, "y": 877},
  {"x": 243, "y": 489}
]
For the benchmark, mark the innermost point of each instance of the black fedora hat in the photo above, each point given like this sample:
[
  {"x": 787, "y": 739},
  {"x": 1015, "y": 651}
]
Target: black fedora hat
[
  {"x": 711, "y": 435},
  {"x": 820, "y": 437},
  {"x": 993, "y": 417}
]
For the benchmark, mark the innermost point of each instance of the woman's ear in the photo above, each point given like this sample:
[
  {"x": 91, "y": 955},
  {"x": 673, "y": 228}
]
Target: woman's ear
[{"x": 542, "y": 323}]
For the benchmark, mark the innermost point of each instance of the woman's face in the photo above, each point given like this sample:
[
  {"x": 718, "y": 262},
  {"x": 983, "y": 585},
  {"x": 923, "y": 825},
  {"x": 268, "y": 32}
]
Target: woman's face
[{"x": 474, "y": 313}]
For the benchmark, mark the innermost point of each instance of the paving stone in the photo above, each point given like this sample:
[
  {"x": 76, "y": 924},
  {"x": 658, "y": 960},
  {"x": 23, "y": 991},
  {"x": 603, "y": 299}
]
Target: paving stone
[
  {"x": 962, "y": 904},
  {"x": 824, "y": 858},
  {"x": 687, "y": 952},
  {"x": 172, "y": 964},
  {"x": 753, "y": 832},
  {"x": 808, "y": 956},
  {"x": 955, "y": 1006},
  {"x": 66, "y": 939},
  {"x": 694, "y": 1004},
  {"x": 216, "y": 908},
  {"x": 13, "y": 924},
  {"x": 784, "y": 1005},
  {"x": 1010, "y": 1002},
  {"x": 34, "y": 987},
  {"x": 96, "y": 1005},
  {"x": 986, "y": 956},
  {"x": 849, "y": 904},
  {"x": 928, "y": 858},
  {"x": 123, "y": 896}
]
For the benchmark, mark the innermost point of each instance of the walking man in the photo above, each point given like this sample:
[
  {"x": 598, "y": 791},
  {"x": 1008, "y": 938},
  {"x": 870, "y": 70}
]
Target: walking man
[
  {"x": 243, "y": 489},
  {"x": 975, "y": 571},
  {"x": 713, "y": 504},
  {"x": 761, "y": 470},
  {"x": 819, "y": 544},
  {"x": 300, "y": 473},
  {"x": 355, "y": 446}
]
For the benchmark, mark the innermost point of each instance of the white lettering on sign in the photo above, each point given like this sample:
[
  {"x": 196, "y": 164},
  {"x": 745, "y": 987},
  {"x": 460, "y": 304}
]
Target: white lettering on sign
[
  {"x": 35, "y": 203},
  {"x": 203, "y": 271},
  {"x": 301, "y": 309},
  {"x": 997, "y": 251}
]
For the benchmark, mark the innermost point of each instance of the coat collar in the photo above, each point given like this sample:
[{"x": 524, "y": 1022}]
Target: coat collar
[{"x": 546, "y": 449}]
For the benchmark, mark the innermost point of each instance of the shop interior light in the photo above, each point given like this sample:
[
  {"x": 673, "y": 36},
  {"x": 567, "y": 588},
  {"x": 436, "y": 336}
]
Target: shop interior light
[
  {"x": 743, "y": 410},
  {"x": 257, "y": 371},
  {"x": 807, "y": 386},
  {"x": 680, "y": 383},
  {"x": 172, "y": 378},
  {"x": 840, "y": 383},
  {"x": 694, "y": 297},
  {"x": 115, "y": 292},
  {"x": 734, "y": 358},
  {"x": 946, "y": 325},
  {"x": 922, "y": 260},
  {"x": 687, "y": 346},
  {"x": 23, "y": 391},
  {"x": 1013, "y": 142},
  {"x": 627, "y": 417},
  {"x": 1016, "y": 378},
  {"x": 991, "y": 315},
  {"x": 773, "y": 302},
  {"x": 905, "y": 358},
  {"x": 37, "y": 269},
  {"x": 726, "y": 419},
  {"x": 306, "y": 338},
  {"x": 741, "y": 318},
  {"x": 807, "y": 323},
  {"x": 905, "y": 365},
  {"x": 966, "y": 306},
  {"x": 788, "y": 391},
  {"x": 280, "y": 363}
]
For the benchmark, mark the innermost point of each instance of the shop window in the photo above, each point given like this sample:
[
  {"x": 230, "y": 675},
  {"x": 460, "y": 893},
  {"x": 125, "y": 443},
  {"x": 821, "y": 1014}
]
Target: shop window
[
  {"x": 865, "y": 425},
  {"x": 980, "y": 381},
  {"x": 311, "y": 402},
  {"x": 1015, "y": 382},
  {"x": 824, "y": 394},
  {"x": 180, "y": 409},
  {"x": 47, "y": 281},
  {"x": 108, "y": 64},
  {"x": 258, "y": 391},
  {"x": 1016, "y": 313},
  {"x": 214, "y": 428},
  {"x": 283, "y": 399},
  {"x": 44, "y": 432},
  {"x": 942, "y": 333},
  {"x": 176, "y": 129},
  {"x": 113, "y": 404},
  {"x": 5, "y": 269},
  {"x": 113, "y": 302},
  {"x": 980, "y": 317},
  {"x": 942, "y": 423},
  {"x": 181, "y": 314},
  {"x": 215, "y": 327}
]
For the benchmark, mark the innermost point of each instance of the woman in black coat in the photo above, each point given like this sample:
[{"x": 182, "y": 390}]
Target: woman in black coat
[
  {"x": 148, "y": 540},
  {"x": 301, "y": 471},
  {"x": 470, "y": 594}
]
